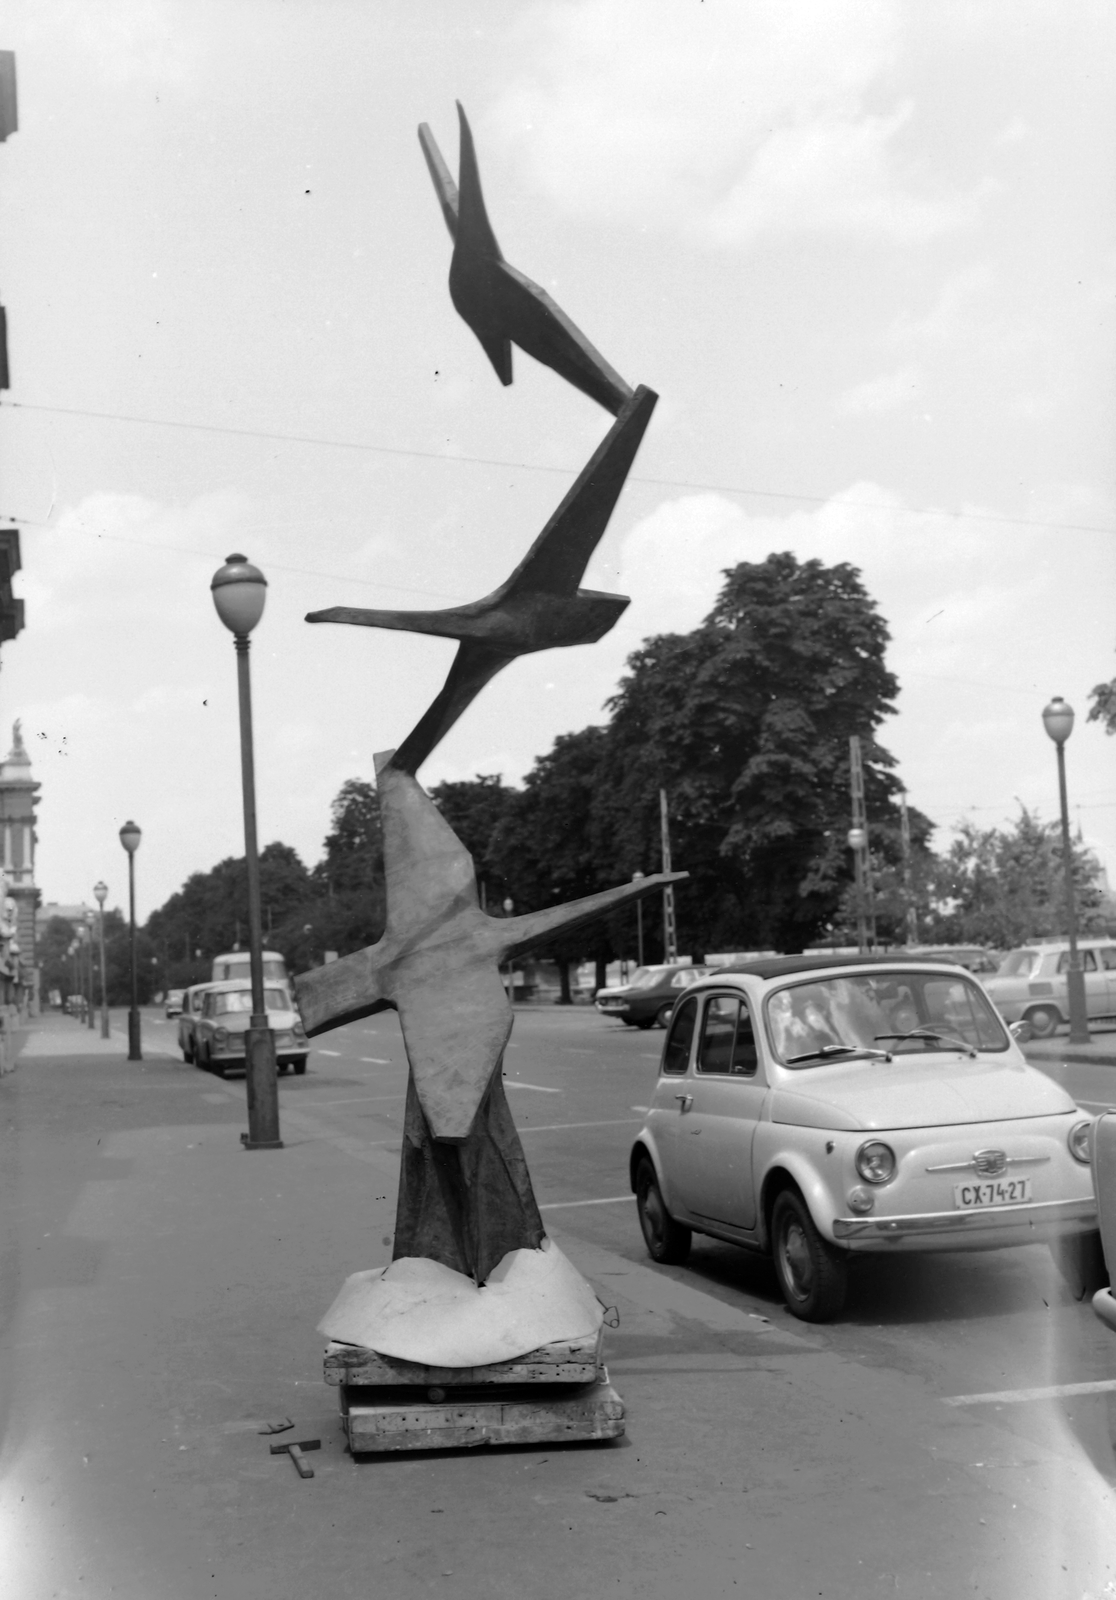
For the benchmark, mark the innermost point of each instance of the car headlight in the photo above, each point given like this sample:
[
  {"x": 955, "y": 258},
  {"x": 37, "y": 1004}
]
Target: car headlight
[
  {"x": 220, "y": 1036},
  {"x": 875, "y": 1162},
  {"x": 1079, "y": 1142}
]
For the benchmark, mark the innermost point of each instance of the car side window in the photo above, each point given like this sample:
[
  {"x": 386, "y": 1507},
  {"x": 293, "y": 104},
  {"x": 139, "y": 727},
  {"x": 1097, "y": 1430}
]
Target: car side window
[
  {"x": 728, "y": 1042},
  {"x": 1088, "y": 960},
  {"x": 676, "y": 1052},
  {"x": 718, "y": 1030}
]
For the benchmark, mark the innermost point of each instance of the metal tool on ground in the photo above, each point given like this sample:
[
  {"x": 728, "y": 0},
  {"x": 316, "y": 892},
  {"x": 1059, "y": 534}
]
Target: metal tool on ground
[{"x": 294, "y": 1449}]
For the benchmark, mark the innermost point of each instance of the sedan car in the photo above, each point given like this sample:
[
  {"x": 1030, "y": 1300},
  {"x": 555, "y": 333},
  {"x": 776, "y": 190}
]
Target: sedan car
[
  {"x": 172, "y": 1006},
  {"x": 648, "y": 1000},
  {"x": 226, "y": 1011},
  {"x": 1030, "y": 983},
  {"x": 816, "y": 1109},
  {"x": 188, "y": 1017}
]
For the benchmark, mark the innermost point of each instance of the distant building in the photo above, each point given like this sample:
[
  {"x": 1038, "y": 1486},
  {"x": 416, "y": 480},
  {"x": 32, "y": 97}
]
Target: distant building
[{"x": 18, "y": 799}]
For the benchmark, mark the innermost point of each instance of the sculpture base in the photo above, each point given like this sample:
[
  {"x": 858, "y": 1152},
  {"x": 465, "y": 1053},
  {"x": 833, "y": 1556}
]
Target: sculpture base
[{"x": 557, "y": 1394}]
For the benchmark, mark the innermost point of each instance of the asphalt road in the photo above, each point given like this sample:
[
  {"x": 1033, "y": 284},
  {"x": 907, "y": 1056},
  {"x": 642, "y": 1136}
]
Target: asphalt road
[{"x": 934, "y": 1442}]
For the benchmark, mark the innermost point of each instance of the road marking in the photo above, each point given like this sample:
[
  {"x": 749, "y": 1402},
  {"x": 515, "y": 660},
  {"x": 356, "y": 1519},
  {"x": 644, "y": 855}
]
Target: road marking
[
  {"x": 514, "y": 1083},
  {"x": 376, "y": 1061},
  {"x": 319, "y": 1051},
  {"x": 1054, "y": 1391},
  {"x": 568, "y": 1205},
  {"x": 559, "y": 1127},
  {"x": 643, "y": 1109},
  {"x": 357, "y": 1099}
]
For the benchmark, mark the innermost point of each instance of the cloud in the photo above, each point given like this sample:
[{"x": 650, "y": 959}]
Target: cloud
[
  {"x": 796, "y": 133},
  {"x": 885, "y": 393}
]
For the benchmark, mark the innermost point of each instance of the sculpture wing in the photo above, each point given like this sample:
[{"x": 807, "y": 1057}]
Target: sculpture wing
[
  {"x": 556, "y": 562},
  {"x": 515, "y": 936},
  {"x": 473, "y": 666}
]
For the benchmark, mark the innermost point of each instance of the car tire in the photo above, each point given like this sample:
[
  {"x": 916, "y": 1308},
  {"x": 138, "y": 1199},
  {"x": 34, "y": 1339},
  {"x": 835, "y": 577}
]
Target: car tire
[
  {"x": 186, "y": 1055},
  {"x": 664, "y": 1014},
  {"x": 300, "y": 1069},
  {"x": 1044, "y": 1021},
  {"x": 667, "y": 1241},
  {"x": 812, "y": 1274},
  {"x": 648, "y": 1022},
  {"x": 1079, "y": 1257}
]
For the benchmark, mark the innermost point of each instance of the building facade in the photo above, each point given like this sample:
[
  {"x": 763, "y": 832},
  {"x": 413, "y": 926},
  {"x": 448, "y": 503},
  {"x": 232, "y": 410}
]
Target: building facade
[{"x": 18, "y": 799}]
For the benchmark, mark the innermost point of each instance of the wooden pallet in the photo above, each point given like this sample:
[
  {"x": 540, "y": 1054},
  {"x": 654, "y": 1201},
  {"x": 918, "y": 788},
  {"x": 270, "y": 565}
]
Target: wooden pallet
[
  {"x": 557, "y": 1393},
  {"x": 377, "y": 1419},
  {"x": 576, "y": 1361}
]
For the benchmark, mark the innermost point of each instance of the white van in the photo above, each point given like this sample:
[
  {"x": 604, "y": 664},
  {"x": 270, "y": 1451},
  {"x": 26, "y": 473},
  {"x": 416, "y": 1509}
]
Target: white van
[{"x": 237, "y": 964}]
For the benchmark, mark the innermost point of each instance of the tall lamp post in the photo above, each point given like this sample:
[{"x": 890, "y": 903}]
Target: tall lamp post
[
  {"x": 239, "y": 591},
  {"x": 857, "y": 841},
  {"x": 92, "y": 990},
  {"x": 130, "y": 837},
  {"x": 1057, "y": 719},
  {"x": 100, "y": 891}
]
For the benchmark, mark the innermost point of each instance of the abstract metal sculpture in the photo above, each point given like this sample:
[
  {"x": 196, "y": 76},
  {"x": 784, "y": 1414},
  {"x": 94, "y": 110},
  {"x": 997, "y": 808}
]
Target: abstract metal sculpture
[
  {"x": 465, "y": 1198},
  {"x": 500, "y": 305}
]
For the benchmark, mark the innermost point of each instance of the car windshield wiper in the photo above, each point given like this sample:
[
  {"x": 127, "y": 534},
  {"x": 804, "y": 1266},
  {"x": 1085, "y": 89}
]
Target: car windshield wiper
[
  {"x": 931, "y": 1038},
  {"x": 829, "y": 1050}
]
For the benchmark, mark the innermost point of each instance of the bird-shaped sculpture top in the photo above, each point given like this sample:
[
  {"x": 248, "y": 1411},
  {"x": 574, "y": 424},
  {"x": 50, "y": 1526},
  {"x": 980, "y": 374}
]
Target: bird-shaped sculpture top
[
  {"x": 438, "y": 963},
  {"x": 540, "y": 606},
  {"x": 501, "y": 305}
]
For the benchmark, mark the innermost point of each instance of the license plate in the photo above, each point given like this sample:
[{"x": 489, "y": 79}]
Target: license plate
[{"x": 991, "y": 1192}]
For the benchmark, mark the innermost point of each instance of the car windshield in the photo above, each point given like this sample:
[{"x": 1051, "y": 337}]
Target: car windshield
[
  {"x": 646, "y": 977},
  {"x": 241, "y": 1000},
  {"x": 831, "y": 1019},
  {"x": 1018, "y": 964}
]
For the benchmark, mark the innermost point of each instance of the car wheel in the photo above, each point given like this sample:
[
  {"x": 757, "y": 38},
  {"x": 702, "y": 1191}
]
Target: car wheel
[
  {"x": 1079, "y": 1257},
  {"x": 1044, "y": 1021},
  {"x": 649, "y": 1022},
  {"x": 186, "y": 1056},
  {"x": 664, "y": 1014},
  {"x": 812, "y": 1274},
  {"x": 667, "y": 1241},
  {"x": 300, "y": 1069}
]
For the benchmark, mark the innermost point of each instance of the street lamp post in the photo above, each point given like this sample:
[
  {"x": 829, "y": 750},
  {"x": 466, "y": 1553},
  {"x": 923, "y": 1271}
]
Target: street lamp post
[
  {"x": 100, "y": 890},
  {"x": 130, "y": 837},
  {"x": 239, "y": 591},
  {"x": 509, "y": 907},
  {"x": 1057, "y": 719},
  {"x": 92, "y": 994}
]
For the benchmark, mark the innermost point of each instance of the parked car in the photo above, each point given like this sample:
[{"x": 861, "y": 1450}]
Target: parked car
[
  {"x": 973, "y": 957},
  {"x": 1030, "y": 985},
  {"x": 648, "y": 999},
  {"x": 226, "y": 1011},
  {"x": 172, "y": 1006},
  {"x": 818, "y": 1108},
  {"x": 1104, "y": 1176},
  {"x": 237, "y": 964},
  {"x": 188, "y": 1017}
]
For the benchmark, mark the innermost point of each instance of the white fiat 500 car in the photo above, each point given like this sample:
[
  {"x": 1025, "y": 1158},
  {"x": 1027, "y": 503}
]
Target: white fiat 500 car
[{"x": 816, "y": 1108}]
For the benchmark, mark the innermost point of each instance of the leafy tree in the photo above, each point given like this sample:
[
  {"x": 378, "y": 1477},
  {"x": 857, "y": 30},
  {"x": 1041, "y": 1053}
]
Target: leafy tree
[
  {"x": 1002, "y": 886},
  {"x": 1103, "y": 709},
  {"x": 746, "y": 722}
]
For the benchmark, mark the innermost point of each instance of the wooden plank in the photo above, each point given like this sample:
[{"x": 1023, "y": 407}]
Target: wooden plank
[
  {"x": 593, "y": 1412},
  {"x": 576, "y": 1361}
]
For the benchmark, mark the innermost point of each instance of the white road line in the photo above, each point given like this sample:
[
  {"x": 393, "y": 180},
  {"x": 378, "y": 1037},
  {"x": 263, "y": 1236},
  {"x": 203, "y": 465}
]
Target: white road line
[
  {"x": 376, "y": 1061},
  {"x": 356, "y": 1099},
  {"x": 649, "y": 1055},
  {"x": 559, "y": 1127},
  {"x": 1054, "y": 1391},
  {"x": 321, "y": 1052},
  {"x": 568, "y": 1205},
  {"x": 514, "y": 1083},
  {"x": 643, "y": 1109}
]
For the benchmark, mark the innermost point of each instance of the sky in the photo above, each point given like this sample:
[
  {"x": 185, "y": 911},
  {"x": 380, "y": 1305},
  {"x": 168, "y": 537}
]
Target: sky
[{"x": 864, "y": 253}]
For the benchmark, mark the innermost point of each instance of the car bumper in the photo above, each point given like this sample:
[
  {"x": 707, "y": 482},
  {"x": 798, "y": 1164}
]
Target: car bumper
[
  {"x": 968, "y": 1230},
  {"x": 612, "y": 1008}
]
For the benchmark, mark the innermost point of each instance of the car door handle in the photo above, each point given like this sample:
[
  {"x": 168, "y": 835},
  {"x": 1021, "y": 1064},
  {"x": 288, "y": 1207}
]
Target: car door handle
[{"x": 685, "y": 1101}]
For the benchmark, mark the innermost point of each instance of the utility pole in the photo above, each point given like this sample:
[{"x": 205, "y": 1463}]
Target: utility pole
[
  {"x": 858, "y": 841},
  {"x": 670, "y": 930},
  {"x": 908, "y": 897}
]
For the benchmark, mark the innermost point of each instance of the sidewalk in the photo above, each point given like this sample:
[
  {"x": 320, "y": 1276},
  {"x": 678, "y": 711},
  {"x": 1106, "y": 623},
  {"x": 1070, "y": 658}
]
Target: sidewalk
[{"x": 1099, "y": 1052}]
